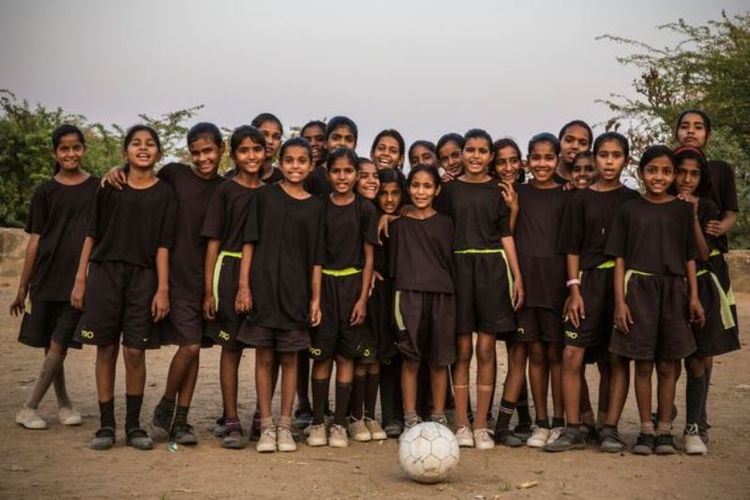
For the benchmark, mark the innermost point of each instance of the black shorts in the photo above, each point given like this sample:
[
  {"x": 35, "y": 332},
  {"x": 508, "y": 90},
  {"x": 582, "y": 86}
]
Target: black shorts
[
  {"x": 595, "y": 330},
  {"x": 718, "y": 335},
  {"x": 334, "y": 336},
  {"x": 223, "y": 330},
  {"x": 538, "y": 324},
  {"x": 426, "y": 326},
  {"x": 380, "y": 319},
  {"x": 184, "y": 325},
  {"x": 483, "y": 299},
  {"x": 280, "y": 340},
  {"x": 661, "y": 327},
  {"x": 118, "y": 302},
  {"x": 44, "y": 321}
]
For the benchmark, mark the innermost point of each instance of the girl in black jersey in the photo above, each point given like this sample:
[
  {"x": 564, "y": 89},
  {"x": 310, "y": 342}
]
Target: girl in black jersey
[
  {"x": 388, "y": 150},
  {"x": 56, "y": 227}
]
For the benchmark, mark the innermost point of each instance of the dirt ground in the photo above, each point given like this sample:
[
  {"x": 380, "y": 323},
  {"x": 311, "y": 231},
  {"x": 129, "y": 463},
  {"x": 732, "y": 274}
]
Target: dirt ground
[{"x": 58, "y": 463}]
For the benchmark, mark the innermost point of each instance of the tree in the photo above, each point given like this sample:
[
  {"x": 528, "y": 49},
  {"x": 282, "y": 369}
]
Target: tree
[
  {"x": 709, "y": 69},
  {"x": 25, "y": 148}
]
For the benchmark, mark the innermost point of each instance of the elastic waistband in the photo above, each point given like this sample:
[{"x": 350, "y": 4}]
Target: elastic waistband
[
  {"x": 478, "y": 251},
  {"x": 339, "y": 273},
  {"x": 714, "y": 253},
  {"x": 227, "y": 253},
  {"x": 608, "y": 264}
]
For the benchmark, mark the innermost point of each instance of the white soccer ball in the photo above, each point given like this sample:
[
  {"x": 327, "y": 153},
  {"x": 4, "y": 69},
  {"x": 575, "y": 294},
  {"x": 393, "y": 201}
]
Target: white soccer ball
[{"x": 428, "y": 452}]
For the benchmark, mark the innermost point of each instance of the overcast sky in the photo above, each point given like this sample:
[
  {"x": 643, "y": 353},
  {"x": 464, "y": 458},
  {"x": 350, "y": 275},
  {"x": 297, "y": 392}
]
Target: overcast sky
[{"x": 422, "y": 67}]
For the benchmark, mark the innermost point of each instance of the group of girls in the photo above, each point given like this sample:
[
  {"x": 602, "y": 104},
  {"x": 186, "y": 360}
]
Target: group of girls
[{"x": 318, "y": 258}]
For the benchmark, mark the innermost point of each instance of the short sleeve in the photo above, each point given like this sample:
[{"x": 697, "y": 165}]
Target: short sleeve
[
  {"x": 96, "y": 219},
  {"x": 252, "y": 222},
  {"x": 320, "y": 244},
  {"x": 166, "y": 238},
  {"x": 393, "y": 248},
  {"x": 169, "y": 172},
  {"x": 570, "y": 237},
  {"x": 691, "y": 246},
  {"x": 213, "y": 220},
  {"x": 727, "y": 187},
  {"x": 369, "y": 222},
  {"x": 37, "y": 212},
  {"x": 618, "y": 236},
  {"x": 503, "y": 221}
]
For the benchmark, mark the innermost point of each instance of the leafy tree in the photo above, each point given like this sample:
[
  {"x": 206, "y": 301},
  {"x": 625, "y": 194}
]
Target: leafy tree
[
  {"x": 26, "y": 145},
  {"x": 708, "y": 68}
]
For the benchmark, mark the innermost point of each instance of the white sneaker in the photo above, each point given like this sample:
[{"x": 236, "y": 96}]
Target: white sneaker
[
  {"x": 337, "y": 437},
  {"x": 376, "y": 431},
  {"x": 464, "y": 437},
  {"x": 267, "y": 440},
  {"x": 359, "y": 432},
  {"x": 284, "y": 439},
  {"x": 29, "y": 418},
  {"x": 539, "y": 436},
  {"x": 694, "y": 445},
  {"x": 554, "y": 434},
  {"x": 316, "y": 435},
  {"x": 484, "y": 439},
  {"x": 69, "y": 416}
]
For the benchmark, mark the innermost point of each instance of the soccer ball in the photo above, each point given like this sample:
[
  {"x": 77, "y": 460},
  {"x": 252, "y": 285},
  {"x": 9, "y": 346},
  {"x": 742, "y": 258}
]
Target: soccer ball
[{"x": 428, "y": 452}]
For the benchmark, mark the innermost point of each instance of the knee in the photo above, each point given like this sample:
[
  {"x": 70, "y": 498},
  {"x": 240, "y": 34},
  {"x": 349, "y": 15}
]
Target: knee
[
  {"x": 666, "y": 369},
  {"x": 536, "y": 353},
  {"x": 264, "y": 358},
  {"x": 572, "y": 357},
  {"x": 191, "y": 352},
  {"x": 463, "y": 352},
  {"x": 134, "y": 357},
  {"x": 644, "y": 368},
  {"x": 485, "y": 354}
]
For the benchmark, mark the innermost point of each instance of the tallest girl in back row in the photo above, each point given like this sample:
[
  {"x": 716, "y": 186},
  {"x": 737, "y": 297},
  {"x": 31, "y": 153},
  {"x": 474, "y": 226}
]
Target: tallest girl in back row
[{"x": 486, "y": 292}]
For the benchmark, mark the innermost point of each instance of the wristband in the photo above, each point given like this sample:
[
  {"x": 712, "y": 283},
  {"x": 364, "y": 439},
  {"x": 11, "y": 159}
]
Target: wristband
[{"x": 574, "y": 281}]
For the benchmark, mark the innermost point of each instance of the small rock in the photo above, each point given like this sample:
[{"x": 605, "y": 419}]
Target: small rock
[
  {"x": 743, "y": 387},
  {"x": 17, "y": 468},
  {"x": 527, "y": 484}
]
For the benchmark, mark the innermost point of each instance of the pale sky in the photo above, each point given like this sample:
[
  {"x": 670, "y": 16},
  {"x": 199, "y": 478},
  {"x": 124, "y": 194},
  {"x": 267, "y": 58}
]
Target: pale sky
[{"x": 422, "y": 67}]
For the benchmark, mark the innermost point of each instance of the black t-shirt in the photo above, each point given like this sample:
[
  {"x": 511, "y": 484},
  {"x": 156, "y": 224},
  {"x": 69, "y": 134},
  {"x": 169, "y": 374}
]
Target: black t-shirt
[
  {"x": 347, "y": 228},
  {"x": 543, "y": 268},
  {"x": 586, "y": 222},
  {"x": 59, "y": 215},
  {"x": 274, "y": 177},
  {"x": 723, "y": 193},
  {"x": 656, "y": 238},
  {"x": 422, "y": 254},
  {"x": 707, "y": 211},
  {"x": 186, "y": 257},
  {"x": 227, "y": 214},
  {"x": 480, "y": 217},
  {"x": 288, "y": 238},
  {"x": 317, "y": 182},
  {"x": 129, "y": 225}
]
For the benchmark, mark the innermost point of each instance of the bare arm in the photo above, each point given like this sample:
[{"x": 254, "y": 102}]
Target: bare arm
[
  {"x": 160, "y": 303},
  {"x": 32, "y": 248},
  {"x": 623, "y": 318},
  {"x": 209, "y": 263},
  {"x": 360, "y": 308},
  {"x": 244, "y": 300},
  {"x": 317, "y": 278},
  {"x": 79, "y": 287},
  {"x": 575, "y": 310}
]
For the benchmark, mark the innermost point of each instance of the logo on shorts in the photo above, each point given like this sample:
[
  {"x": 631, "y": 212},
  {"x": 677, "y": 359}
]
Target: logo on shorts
[
  {"x": 366, "y": 353},
  {"x": 315, "y": 351},
  {"x": 520, "y": 331},
  {"x": 87, "y": 334},
  {"x": 571, "y": 334},
  {"x": 224, "y": 335}
]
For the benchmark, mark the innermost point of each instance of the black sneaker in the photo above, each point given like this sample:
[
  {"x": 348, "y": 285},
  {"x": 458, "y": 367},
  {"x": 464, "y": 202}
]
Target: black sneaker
[
  {"x": 104, "y": 439},
  {"x": 644, "y": 445},
  {"x": 183, "y": 434},
  {"x": 609, "y": 440},
  {"x": 523, "y": 430},
  {"x": 220, "y": 427},
  {"x": 664, "y": 445},
  {"x": 507, "y": 438},
  {"x": 303, "y": 417},
  {"x": 160, "y": 423},
  {"x": 233, "y": 439},
  {"x": 394, "y": 429},
  {"x": 139, "y": 439},
  {"x": 570, "y": 439}
]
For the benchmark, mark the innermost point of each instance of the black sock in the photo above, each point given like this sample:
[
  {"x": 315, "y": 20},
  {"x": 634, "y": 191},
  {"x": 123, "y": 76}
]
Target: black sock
[
  {"x": 107, "y": 413},
  {"x": 522, "y": 406},
  {"x": 543, "y": 424},
  {"x": 694, "y": 398},
  {"x": 371, "y": 394},
  {"x": 180, "y": 417},
  {"x": 133, "y": 411},
  {"x": 503, "y": 416},
  {"x": 320, "y": 400},
  {"x": 387, "y": 385},
  {"x": 343, "y": 395},
  {"x": 358, "y": 397},
  {"x": 558, "y": 422},
  {"x": 167, "y": 404}
]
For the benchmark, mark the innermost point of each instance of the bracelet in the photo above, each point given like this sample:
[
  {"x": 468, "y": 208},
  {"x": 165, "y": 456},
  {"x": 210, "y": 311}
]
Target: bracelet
[{"x": 574, "y": 281}]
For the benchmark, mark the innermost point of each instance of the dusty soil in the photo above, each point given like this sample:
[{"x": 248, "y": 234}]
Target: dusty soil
[{"x": 58, "y": 463}]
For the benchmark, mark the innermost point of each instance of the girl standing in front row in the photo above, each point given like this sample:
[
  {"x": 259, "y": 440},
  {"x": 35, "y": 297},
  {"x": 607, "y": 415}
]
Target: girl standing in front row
[
  {"x": 424, "y": 309},
  {"x": 486, "y": 291},
  {"x": 279, "y": 286},
  {"x": 652, "y": 239},
  {"x": 57, "y": 227},
  {"x": 126, "y": 254}
]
